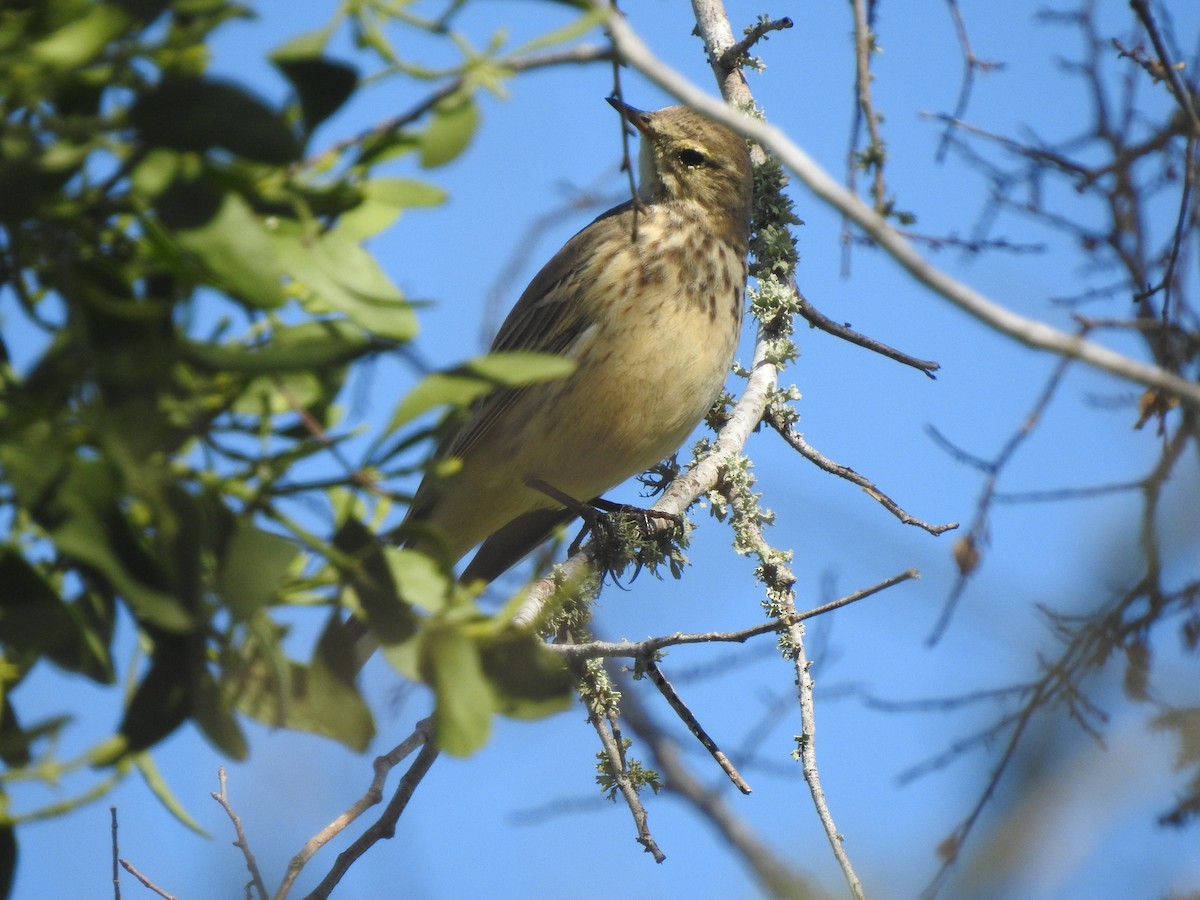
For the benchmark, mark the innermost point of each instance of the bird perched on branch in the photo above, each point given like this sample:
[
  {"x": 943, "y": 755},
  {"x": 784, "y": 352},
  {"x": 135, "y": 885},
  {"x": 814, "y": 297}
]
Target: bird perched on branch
[{"x": 647, "y": 302}]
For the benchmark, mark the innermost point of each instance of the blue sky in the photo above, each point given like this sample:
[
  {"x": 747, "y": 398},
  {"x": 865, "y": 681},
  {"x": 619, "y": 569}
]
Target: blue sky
[{"x": 467, "y": 832}]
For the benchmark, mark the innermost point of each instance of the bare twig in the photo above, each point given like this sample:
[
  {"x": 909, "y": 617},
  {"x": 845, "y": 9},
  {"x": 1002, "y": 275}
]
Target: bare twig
[
  {"x": 1170, "y": 73},
  {"x": 779, "y": 583},
  {"x": 967, "y": 549},
  {"x": 146, "y": 882},
  {"x": 807, "y": 750},
  {"x": 1087, "y": 647},
  {"x": 775, "y": 874},
  {"x": 872, "y": 158},
  {"x": 1031, "y": 332},
  {"x": 971, "y": 65},
  {"x": 383, "y": 766},
  {"x": 1056, "y": 495},
  {"x": 694, "y": 726},
  {"x": 241, "y": 843},
  {"x": 818, "y": 319},
  {"x": 384, "y": 827},
  {"x": 564, "y": 56},
  {"x": 798, "y": 443},
  {"x": 648, "y": 648},
  {"x": 732, "y": 56},
  {"x": 608, "y": 730},
  {"x": 116, "y": 855},
  {"x": 627, "y": 158}
]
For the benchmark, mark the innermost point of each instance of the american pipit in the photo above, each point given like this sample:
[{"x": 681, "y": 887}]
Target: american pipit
[{"x": 648, "y": 304}]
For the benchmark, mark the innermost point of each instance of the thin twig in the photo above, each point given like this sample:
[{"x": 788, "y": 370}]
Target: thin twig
[
  {"x": 819, "y": 320},
  {"x": 774, "y": 872},
  {"x": 971, "y": 65},
  {"x": 689, "y": 719},
  {"x": 732, "y": 56},
  {"x": 613, "y": 745},
  {"x": 146, "y": 882},
  {"x": 967, "y": 549},
  {"x": 241, "y": 843},
  {"x": 648, "y": 648},
  {"x": 116, "y": 855},
  {"x": 1170, "y": 73},
  {"x": 807, "y": 748},
  {"x": 383, "y": 766},
  {"x": 570, "y": 55},
  {"x": 384, "y": 827},
  {"x": 1056, "y": 495},
  {"x": 801, "y": 446},
  {"x": 873, "y": 157},
  {"x": 1031, "y": 332}
]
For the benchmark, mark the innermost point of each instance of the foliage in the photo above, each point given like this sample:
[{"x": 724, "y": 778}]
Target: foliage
[{"x": 197, "y": 277}]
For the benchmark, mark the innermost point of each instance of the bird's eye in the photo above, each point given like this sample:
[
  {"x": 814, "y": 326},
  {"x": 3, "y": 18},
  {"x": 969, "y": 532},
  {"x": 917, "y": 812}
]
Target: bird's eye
[{"x": 691, "y": 158}]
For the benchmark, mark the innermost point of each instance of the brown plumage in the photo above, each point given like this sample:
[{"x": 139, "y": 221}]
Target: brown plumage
[{"x": 651, "y": 318}]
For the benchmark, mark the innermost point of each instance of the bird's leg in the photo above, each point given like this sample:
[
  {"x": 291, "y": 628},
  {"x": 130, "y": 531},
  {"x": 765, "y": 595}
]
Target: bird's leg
[
  {"x": 641, "y": 512},
  {"x": 597, "y": 512}
]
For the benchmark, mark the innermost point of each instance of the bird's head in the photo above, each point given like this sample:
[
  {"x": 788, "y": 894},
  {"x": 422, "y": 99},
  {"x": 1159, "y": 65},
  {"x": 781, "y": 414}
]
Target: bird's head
[{"x": 687, "y": 156}]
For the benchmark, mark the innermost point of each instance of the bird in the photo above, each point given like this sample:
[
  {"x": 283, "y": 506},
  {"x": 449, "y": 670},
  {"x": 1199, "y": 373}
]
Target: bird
[{"x": 646, "y": 301}]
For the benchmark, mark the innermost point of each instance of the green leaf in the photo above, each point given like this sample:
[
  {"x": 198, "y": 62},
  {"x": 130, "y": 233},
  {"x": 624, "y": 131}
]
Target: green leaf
[
  {"x": 585, "y": 23},
  {"x": 334, "y": 705},
  {"x": 155, "y": 172},
  {"x": 367, "y": 219},
  {"x": 517, "y": 368},
  {"x": 14, "y": 740},
  {"x": 404, "y": 193},
  {"x": 76, "y": 502},
  {"x": 161, "y": 701},
  {"x": 391, "y": 617},
  {"x": 421, "y": 582},
  {"x": 463, "y": 385},
  {"x": 454, "y": 122},
  {"x": 297, "y": 348},
  {"x": 34, "y": 618},
  {"x": 199, "y": 115},
  {"x": 342, "y": 276},
  {"x": 81, "y": 41},
  {"x": 322, "y": 85},
  {"x": 463, "y": 717},
  {"x": 236, "y": 253},
  {"x": 438, "y": 389},
  {"x": 32, "y": 614},
  {"x": 382, "y": 202},
  {"x": 162, "y": 791},
  {"x": 215, "y": 718},
  {"x": 530, "y": 681},
  {"x": 305, "y": 45},
  {"x": 252, "y": 567}
]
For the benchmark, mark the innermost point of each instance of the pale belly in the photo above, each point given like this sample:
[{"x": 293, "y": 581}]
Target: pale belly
[{"x": 645, "y": 378}]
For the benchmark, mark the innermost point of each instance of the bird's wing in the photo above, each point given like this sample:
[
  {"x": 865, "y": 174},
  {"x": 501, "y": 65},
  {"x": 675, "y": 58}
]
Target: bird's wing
[
  {"x": 513, "y": 542},
  {"x": 548, "y": 318}
]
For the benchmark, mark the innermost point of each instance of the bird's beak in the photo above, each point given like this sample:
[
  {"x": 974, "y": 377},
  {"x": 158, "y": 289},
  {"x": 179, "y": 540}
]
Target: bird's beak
[{"x": 638, "y": 118}]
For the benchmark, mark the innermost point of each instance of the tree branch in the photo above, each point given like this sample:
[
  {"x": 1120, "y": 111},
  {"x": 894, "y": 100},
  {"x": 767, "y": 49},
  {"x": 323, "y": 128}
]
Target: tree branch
[
  {"x": 241, "y": 843},
  {"x": 798, "y": 443},
  {"x": 777, "y": 877},
  {"x": 731, "y": 57},
  {"x": 648, "y": 648},
  {"x": 422, "y": 736},
  {"x": 384, "y": 827},
  {"x": 689, "y": 719},
  {"x": 1030, "y": 332}
]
